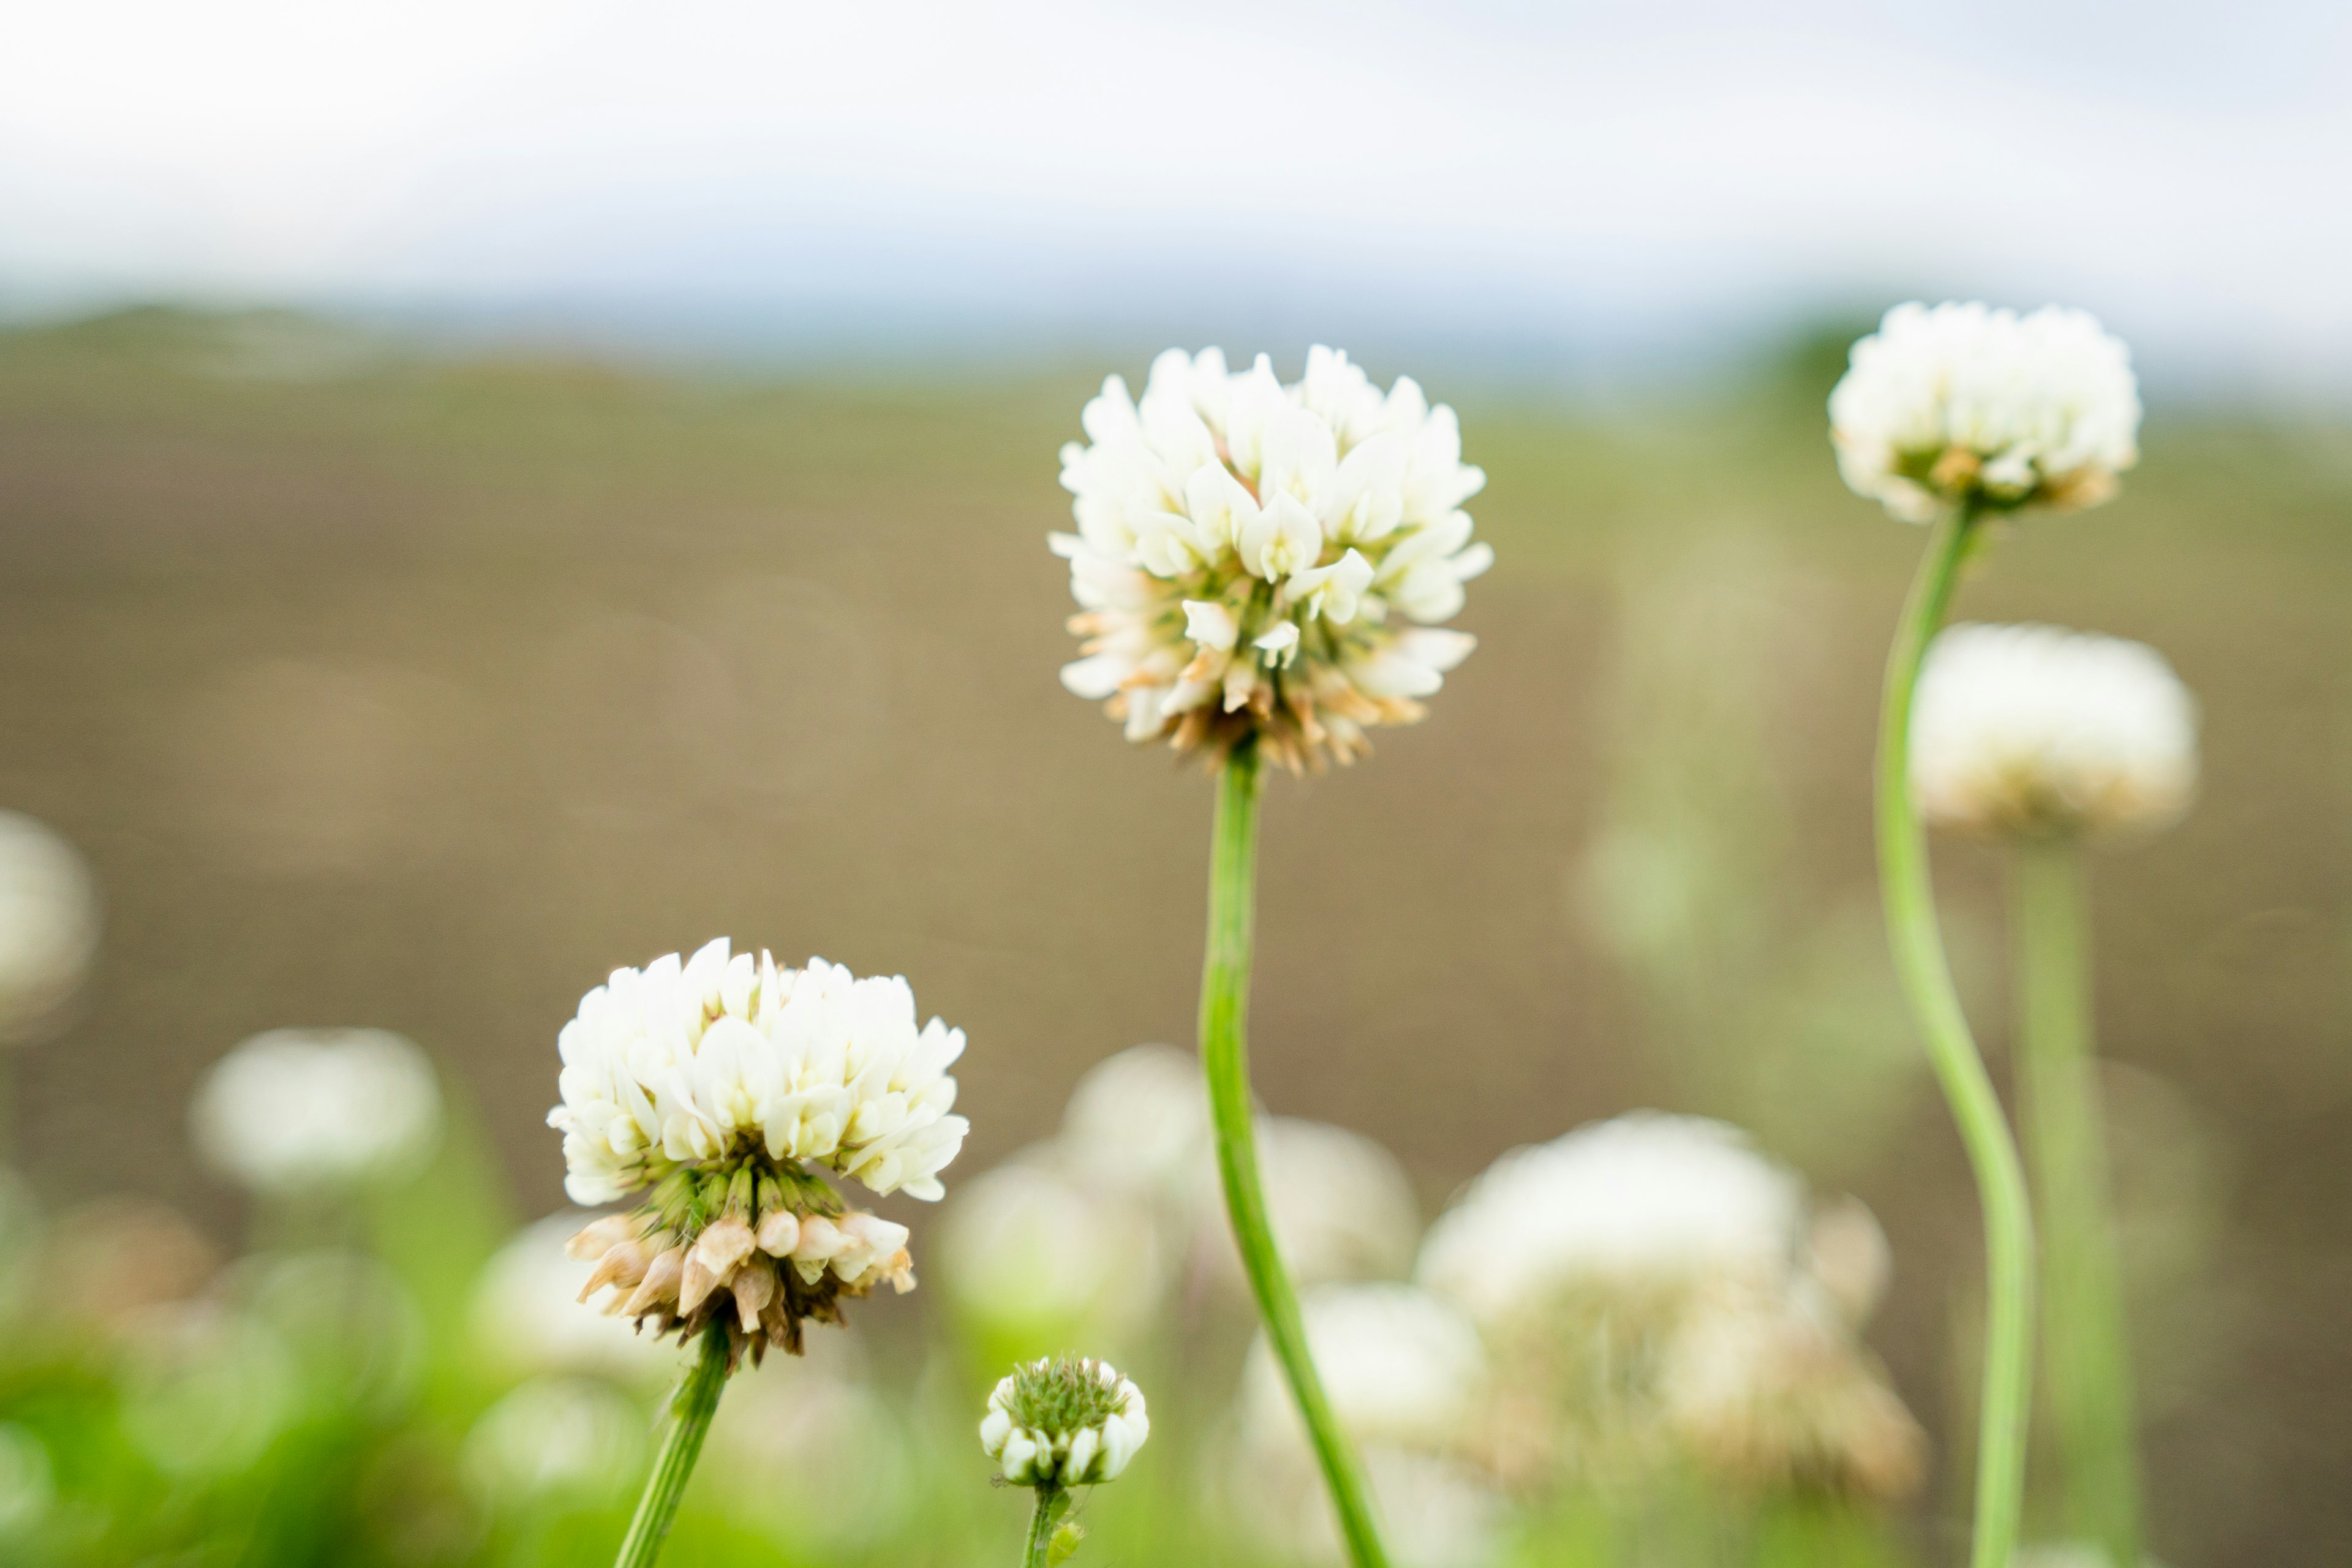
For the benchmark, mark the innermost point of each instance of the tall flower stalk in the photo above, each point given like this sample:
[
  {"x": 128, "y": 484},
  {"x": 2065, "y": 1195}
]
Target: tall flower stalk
[
  {"x": 1224, "y": 1058},
  {"x": 2082, "y": 1318},
  {"x": 1956, "y": 416},
  {"x": 1263, "y": 571},
  {"x": 1918, "y": 941},
  {"x": 2044, "y": 740}
]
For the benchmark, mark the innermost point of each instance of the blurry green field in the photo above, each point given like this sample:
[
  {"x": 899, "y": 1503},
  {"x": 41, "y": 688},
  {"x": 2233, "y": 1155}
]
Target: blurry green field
[{"x": 420, "y": 691}]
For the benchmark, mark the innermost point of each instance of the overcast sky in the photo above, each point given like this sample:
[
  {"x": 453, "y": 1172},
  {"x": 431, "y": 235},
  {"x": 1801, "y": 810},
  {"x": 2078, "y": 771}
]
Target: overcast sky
[{"x": 1613, "y": 175}]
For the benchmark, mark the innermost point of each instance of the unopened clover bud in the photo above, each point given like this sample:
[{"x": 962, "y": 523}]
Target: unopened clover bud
[
  {"x": 657, "y": 1292},
  {"x": 1064, "y": 1421},
  {"x": 779, "y": 1232},
  {"x": 600, "y": 1237},
  {"x": 820, "y": 1243}
]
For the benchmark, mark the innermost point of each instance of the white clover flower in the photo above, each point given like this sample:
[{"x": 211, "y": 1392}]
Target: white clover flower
[
  {"x": 292, "y": 1110},
  {"x": 1340, "y": 1205},
  {"x": 527, "y": 1311},
  {"x": 687, "y": 1064},
  {"x": 48, "y": 923},
  {"x": 1065, "y": 1421},
  {"x": 726, "y": 1085},
  {"x": 1256, "y": 559},
  {"x": 2023, "y": 731},
  {"x": 1645, "y": 1199},
  {"x": 1966, "y": 403}
]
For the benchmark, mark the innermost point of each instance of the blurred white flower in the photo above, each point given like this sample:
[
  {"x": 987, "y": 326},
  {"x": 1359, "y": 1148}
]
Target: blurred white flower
[
  {"x": 1027, "y": 1251},
  {"x": 526, "y": 1313},
  {"x": 48, "y": 923},
  {"x": 1642, "y": 1199},
  {"x": 27, "y": 1484},
  {"x": 1963, "y": 401},
  {"x": 1341, "y": 1205},
  {"x": 1409, "y": 1380},
  {"x": 686, "y": 1064},
  {"x": 1768, "y": 1391},
  {"x": 2026, "y": 730},
  {"x": 1065, "y": 1421},
  {"x": 1139, "y": 1121},
  {"x": 295, "y": 1110},
  {"x": 846, "y": 1452},
  {"x": 1260, "y": 559},
  {"x": 555, "y": 1435},
  {"x": 1400, "y": 1367},
  {"x": 1848, "y": 1256}
]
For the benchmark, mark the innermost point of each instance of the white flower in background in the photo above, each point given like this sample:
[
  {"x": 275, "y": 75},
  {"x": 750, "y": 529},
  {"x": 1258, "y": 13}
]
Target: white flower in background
[
  {"x": 1027, "y": 1250},
  {"x": 1139, "y": 1121},
  {"x": 1967, "y": 403},
  {"x": 1768, "y": 1391},
  {"x": 527, "y": 1311},
  {"x": 555, "y": 1435},
  {"x": 1848, "y": 1256},
  {"x": 1645, "y": 1199},
  {"x": 294, "y": 1110},
  {"x": 846, "y": 1451},
  {"x": 48, "y": 923},
  {"x": 1400, "y": 1367},
  {"x": 728, "y": 1085},
  {"x": 1259, "y": 558},
  {"x": 1409, "y": 1379},
  {"x": 1065, "y": 1421},
  {"x": 2033, "y": 730},
  {"x": 1341, "y": 1205}
]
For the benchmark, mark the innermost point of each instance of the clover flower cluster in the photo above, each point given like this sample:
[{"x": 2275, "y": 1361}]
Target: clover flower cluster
[
  {"x": 726, "y": 1086},
  {"x": 1064, "y": 1421},
  {"x": 2024, "y": 732},
  {"x": 1257, "y": 560},
  {"x": 1966, "y": 404}
]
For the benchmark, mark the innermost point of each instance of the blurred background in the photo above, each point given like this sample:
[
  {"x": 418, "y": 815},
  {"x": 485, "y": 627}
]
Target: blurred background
[{"x": 492, "y": 493}]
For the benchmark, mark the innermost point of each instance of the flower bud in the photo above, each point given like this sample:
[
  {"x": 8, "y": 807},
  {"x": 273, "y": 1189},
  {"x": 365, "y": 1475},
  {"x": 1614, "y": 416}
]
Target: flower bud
[
  {"x": 601, "y": 1235},
  {"x": 1065, "y": 1421},
  {"x": 779, "y": 1233}
]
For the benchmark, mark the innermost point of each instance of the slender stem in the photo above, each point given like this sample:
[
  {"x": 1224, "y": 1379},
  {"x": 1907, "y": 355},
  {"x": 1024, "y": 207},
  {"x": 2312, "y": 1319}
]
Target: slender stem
[
  {"x": 691, "y": 1408},
  {"x": 2082, "y": 1316},
  {"x": 1224, "y": 1058},
  {"x": 1052, "y": 1503},
  {"x": 1925, "y": 975}
]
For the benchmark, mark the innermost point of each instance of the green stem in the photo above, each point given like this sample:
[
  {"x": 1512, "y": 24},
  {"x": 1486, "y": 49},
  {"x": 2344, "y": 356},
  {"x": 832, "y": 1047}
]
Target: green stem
[
  {"x": 1052, "y": 1503},
  {"x": 1926, "y": 977},
  {"x": 691, "y": 1408},
  {"x": 1224, "y": 1058},
  {"x": 2082, "y": 1316}
]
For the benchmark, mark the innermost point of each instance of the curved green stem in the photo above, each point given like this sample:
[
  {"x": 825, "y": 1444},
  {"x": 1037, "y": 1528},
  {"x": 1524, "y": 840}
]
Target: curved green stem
[
  {"x": 1052, "y": 1503},
  {"x": 1926, "y": 977},
  {"x": 691, "y": 1408},
  {"x": 2082, "y": 1316},
  {"x": 1224, "y": 1058}
]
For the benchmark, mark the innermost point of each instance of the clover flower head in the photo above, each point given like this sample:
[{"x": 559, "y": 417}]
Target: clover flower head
[
  {"x": 730, "y": 1087},
  {"x": 1965, "y": 402},
  {"x": 2033, "y": 731},
  {"x": 1064, "y": 1421},
  {"x": 291, "y": 1109},
  {"x": 1255, "y": 560},
  {"x": 1643, "y": 1200}
]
